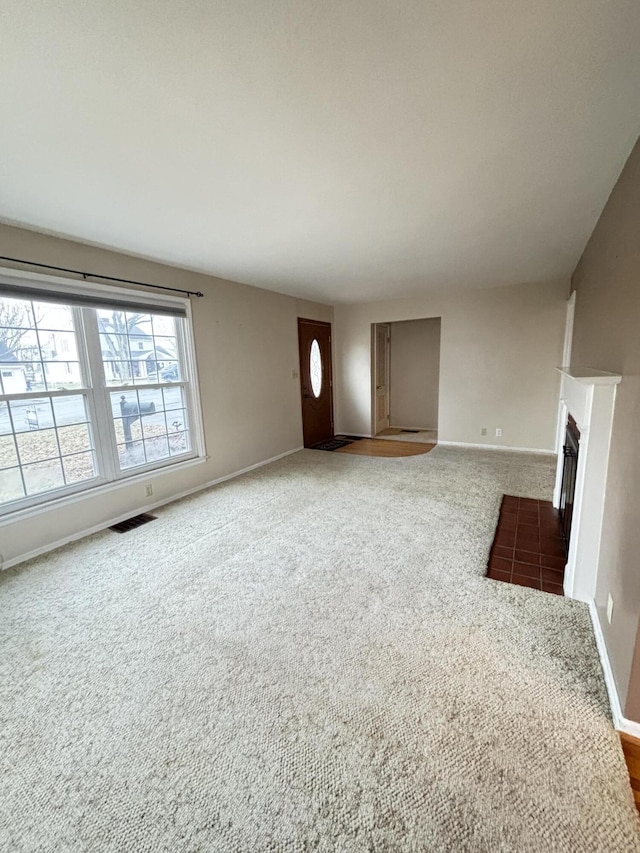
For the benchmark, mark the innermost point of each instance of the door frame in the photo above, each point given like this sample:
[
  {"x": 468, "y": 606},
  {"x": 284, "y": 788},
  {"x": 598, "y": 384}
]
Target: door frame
[
  {"x": 328, "y": 373},
  {"x": 374, "y": 378}
]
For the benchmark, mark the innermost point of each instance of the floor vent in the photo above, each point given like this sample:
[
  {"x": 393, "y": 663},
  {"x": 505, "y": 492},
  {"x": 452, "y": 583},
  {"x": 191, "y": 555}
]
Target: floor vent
[
  {"x": 410, "y": 430},
  {"x": 132, "y": 523}
]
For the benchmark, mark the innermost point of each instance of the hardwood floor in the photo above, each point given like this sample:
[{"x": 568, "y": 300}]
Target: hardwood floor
[
  {"x": 380, "y": 447},
  {"x": 631, "y": 749}
]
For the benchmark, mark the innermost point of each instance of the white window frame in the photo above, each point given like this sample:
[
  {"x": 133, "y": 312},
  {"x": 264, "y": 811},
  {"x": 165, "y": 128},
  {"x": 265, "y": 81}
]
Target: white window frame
[{"x": 100, "y": 416}]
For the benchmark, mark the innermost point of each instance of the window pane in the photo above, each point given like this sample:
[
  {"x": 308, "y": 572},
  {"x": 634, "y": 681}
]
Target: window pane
[
  {"x": 74, "y": 439},
  {"x": 5, "y": 423},
  {"x": 173, "y": 398},
  {"x": 119, "y": 372},
  {"x": 179, "y": 443},
  {"x": 8, "y": 455},
  {"x": 43, "y": 476},
  {"x": 36, "y": 445},
  {"x": 131, "y": 454},
  {"x": 114, "y": 347},
  {"x": 170, "y": 372},
  {"x": 156, "y": 448},
  {"x": 62, "y": 375},
  {"x": 177, "y": 420},
  {"x": 15, "y": 313},
  {"x": 79, "y": 467},
  {"x": 51, "y": 316},
  {"x": 69, "y": 410},
  {"x": 10, "y": 485},
  {"x": 58, "y": 346},
  {"x": 32, "y": 414}
]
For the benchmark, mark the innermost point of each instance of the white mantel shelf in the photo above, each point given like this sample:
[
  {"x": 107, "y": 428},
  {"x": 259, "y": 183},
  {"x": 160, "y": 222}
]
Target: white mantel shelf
[
  {"x": 588, "y": 395},
  {"x": 590, "y": 376}
]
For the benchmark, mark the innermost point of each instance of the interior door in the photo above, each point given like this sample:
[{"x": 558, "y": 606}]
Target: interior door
[
  {"x": 381, "y": 340},
  {"x": 316, "y": 385}
]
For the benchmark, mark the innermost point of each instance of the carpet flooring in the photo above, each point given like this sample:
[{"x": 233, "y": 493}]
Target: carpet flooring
[{"x": 307, "y": 657}]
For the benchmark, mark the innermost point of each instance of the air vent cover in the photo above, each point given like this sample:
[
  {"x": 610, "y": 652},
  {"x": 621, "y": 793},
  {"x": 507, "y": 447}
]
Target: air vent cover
[{"x": 131, "y": 523}]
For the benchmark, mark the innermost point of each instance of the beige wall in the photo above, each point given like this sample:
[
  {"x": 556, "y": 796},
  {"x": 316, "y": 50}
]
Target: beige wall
[
  {"x": 498, "y": 353},
  {"x": 415, "y": 373},
  {"x": 247, "y": 353},
  {"x": 607, "y": 337}
]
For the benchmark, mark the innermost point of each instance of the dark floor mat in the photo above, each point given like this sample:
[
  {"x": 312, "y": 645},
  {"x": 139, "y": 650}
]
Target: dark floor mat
[{"x": 331, "y": 444}]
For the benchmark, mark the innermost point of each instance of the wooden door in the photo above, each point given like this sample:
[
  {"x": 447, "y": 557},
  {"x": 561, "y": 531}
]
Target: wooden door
[
  {"x": 314, "y": 341},
  {"x": 381, "y": 338}
]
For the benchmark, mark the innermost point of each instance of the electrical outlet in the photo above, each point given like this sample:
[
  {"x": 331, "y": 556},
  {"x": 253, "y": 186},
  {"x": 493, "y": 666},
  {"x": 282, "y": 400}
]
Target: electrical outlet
[
  {"x": 148, "y": 490},
  {"x": 609, "y": 609},
  {"x": 483, "y": 431},
  {"x": 498, "y": 432}
]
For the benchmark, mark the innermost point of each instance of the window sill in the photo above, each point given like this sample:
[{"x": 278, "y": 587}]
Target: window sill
[{"x": 97, "y": 490}]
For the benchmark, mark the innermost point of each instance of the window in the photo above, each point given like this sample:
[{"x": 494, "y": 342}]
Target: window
[{"x": 90, "y": 392}]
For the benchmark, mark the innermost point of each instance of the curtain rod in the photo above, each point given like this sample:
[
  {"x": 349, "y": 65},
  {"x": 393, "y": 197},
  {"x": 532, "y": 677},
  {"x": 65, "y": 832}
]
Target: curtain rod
[{"x": 86, "y": 275}]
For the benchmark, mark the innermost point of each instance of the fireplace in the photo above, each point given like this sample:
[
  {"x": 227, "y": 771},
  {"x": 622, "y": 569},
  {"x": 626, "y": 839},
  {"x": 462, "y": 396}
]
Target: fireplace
[
  {"x": 569, "y": 473},
  {"x": 585, "y": 418}
]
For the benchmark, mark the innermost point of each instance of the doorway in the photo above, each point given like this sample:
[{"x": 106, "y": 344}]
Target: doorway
[
  {"x": 316, "y": 382},
  {"x": 406, "y": 379},
  {"x": 381, "y": 344}
]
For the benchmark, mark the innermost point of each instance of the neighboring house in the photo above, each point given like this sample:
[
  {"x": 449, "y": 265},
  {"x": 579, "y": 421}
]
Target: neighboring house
[
  {"x": 13, "y": 375},
  {"x": 138, "y": 358}
]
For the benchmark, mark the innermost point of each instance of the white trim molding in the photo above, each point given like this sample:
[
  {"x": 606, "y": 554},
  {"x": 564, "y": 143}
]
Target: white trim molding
[
  {"x": 620, "y": 722},
  {"x": 37, "y": 552},
  {"x": 503, "y": 447}
]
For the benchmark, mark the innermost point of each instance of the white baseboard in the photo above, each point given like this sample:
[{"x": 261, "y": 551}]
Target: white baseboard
[
  {"x": 37, "y": 552},
  {"x": 620, "y": 722},
  {"x": 495, "y": 447}
]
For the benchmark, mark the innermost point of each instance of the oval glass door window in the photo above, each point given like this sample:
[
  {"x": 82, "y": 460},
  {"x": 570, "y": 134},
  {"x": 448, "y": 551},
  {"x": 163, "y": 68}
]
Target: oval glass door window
[{"x": 315, "y": 368}]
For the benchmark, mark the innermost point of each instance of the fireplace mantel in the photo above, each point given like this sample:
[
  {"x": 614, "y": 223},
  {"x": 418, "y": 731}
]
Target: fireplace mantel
[{"x": 589, "y": 396}]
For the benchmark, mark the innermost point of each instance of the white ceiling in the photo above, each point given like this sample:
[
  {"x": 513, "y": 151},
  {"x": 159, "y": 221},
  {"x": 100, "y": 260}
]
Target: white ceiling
[{"x": 344, "y": 150}]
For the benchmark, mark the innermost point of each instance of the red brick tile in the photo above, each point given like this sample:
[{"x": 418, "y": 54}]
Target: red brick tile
[
  {"x": 551, "y": 548},
  {"x": 508, "y": 522},
  {"x": 531, "y": 557},
  {"x": 527, "y": 542},
  {"x": 552, "y": 575},
  {"x": 501, "y": 551},
  {"x": 496, "y": 575},
  {"x": 526, "y": 570},
  {"x": 533, "y": 583},
  {"x": 524, "y": 529},
  {"x": 526, "y": 517},
  {"x": 528, "y": 502},
  {"x": 548, "y": 562},
  {"x": 500, "y": 563},
  {"x": 510, "y": 501},
  {"x": 554, "y": 588},
  {"x": 505, "y": 538}
]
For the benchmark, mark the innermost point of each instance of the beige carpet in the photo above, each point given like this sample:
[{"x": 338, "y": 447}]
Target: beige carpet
[{"x": 307, "y": 658}]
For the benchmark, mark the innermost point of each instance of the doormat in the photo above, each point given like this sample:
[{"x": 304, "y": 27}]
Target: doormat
[
  {"x": 331, "y": 444},
  {"x": 132, "y": 523}
]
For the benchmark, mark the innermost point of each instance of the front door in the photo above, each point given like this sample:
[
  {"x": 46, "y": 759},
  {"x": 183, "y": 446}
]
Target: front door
[{"x": 314, "y": 341}]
